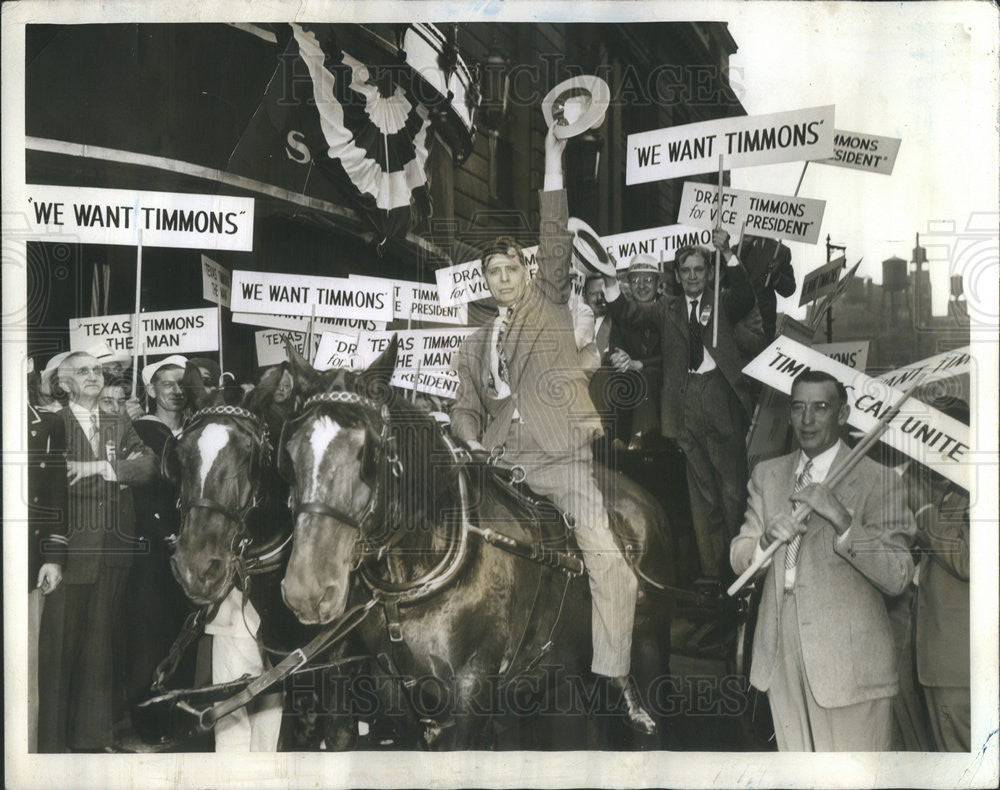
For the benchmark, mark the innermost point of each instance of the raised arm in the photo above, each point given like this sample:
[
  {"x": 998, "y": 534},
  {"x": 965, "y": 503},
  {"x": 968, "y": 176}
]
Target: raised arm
[
  {"x": 555, "y": 242},
  {"x": 783, "y": 278}
]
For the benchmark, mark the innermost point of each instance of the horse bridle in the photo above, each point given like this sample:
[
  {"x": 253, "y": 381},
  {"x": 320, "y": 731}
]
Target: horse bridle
[
  {"x": 260, "y": 455},
  {"x": 378, "y": 507}
]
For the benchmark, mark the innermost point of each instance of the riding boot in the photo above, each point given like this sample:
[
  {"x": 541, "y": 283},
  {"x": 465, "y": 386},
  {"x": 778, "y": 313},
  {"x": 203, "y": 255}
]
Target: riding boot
[{"x": 630, "y": 707}]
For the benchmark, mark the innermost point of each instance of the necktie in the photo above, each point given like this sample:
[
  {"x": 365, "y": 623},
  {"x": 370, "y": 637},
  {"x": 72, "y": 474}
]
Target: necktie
[
  {"x": 95, "y": 436},
  {"x": 792, "y": 553},
  {"x": 696, "y": 347},
  {"x": 502, "y": 370}
]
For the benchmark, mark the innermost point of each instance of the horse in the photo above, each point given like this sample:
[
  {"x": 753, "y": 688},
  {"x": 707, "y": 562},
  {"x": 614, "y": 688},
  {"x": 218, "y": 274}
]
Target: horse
[
  {"x": 484, "y": 606},
  {"x": 236, "y": 527}
]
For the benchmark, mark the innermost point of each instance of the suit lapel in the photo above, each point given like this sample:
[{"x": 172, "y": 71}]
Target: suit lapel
[{"x": 784, "y": 484}]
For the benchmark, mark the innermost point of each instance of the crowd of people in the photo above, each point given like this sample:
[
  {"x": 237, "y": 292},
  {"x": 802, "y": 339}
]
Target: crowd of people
[{"x": 862, "y": 635}]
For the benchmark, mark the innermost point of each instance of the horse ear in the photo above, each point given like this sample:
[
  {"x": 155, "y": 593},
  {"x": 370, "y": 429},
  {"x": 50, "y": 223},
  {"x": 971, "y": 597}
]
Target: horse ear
[
  {"x": 260, "y": 397},
  {"x": 374, "y": 380},
  {"x": 307, "y": 379},
  {"x": 198, "y": 393}
]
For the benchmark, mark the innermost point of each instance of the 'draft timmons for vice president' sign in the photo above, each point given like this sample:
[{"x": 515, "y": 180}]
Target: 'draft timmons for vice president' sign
[
  {"x": 742, "y": 141},
  {"x": 91, "y": 215},
  {"x": 757, "y": 213}
]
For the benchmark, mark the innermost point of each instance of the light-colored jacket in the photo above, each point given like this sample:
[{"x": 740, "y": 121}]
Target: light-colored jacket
[{"x": 840, "y": 586}]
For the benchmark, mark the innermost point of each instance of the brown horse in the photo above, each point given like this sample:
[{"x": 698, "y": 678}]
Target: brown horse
[
  {"x": 236, "y": 530},
  {"x": 484, "y": 605}
]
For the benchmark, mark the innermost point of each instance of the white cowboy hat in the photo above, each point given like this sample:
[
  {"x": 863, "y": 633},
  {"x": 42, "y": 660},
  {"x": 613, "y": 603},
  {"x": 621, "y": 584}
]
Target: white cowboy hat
[
  {"x": 150, "y": 370},
  {"x": 589, "y": 255},
  {"x": 576, "y": 105}
]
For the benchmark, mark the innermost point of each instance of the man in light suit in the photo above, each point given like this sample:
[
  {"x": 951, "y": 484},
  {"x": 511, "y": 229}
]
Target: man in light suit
[
  {"x": 521, "y": 386},
  {"x": 86, "y": 568},
  {"x": 705, "y": 401},
  {"x": 823, "y": 648}
]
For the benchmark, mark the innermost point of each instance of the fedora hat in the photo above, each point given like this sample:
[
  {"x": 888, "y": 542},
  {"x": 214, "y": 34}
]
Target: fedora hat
[
  {"x": 589, "y": 255},
  {"x": 576, "y": 105}
]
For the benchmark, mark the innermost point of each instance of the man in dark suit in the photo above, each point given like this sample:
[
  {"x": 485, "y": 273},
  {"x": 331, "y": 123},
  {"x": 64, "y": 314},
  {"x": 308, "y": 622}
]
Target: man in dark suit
[
  {"x": 705, "y": 401},
  {"x": 521, "y": 386},
  {"x": 768, "y": 264},
  {"x": 84, "y": 576},
  {"x": 151, "y": 585},
  {"x": 942, "y": 620},
  {"x": 823, "y": 648}
]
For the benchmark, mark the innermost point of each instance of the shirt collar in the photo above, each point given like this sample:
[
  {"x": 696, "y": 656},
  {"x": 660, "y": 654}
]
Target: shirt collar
[
  {"x": 821, "y": 463},
  {"x": 83, "y": 415}
]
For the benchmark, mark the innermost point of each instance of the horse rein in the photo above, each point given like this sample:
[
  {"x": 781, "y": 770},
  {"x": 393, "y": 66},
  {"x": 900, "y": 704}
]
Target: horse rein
[
  {"x": 270, "y": 556},
  {"x": 388, "y": 461}
]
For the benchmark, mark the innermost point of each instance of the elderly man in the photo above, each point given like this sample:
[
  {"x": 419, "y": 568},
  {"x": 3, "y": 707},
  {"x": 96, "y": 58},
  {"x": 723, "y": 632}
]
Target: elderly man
[
  {"x": 705, "y": 401},
  {"x": 84, "y": 575},
  {"x": 521, "y": 386},
  {"x": 823, "y": 649}
]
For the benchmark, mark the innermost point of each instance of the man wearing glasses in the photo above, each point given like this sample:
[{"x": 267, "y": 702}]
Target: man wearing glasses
[
  {"x": 823, "y": 647},
  {"x": 86, "y": 566}
]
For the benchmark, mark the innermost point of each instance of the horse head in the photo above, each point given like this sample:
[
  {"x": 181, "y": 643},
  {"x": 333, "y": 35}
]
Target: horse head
[{"x": 218, "y": 464}]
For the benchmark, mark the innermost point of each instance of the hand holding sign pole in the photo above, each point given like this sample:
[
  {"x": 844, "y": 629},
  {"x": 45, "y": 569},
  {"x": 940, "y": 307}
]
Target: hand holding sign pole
[{"x": 836, "y": 474}]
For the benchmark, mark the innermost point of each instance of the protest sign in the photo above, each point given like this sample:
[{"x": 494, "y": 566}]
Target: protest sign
[
  {"x": 839, "y": 289},
  {"x": 271, "y": 349},
  {"x": 297, "y": 294},
  {"x": 920, "y": 431},
  {"x": 337, "y": 350},
  {"x": 821, "y": 281},
  {"x": 853, "y": 354},
  {"x": 464, "y": 282},
  {"x": 426, "y": 349},
  {"x": 743, "y": 141},
  {"x": 216, "y": 282},
  {"x": 777, "y": 216},
  {"x": 957, "y": 362},
  {"x": 662, "y": 242},
  {"x": 168, "y": 332},
  {"x": 441, "y": 382},
  {"x": 300, "y": 323},
  {"x": 90, "y": 215},
  {"x": 860, "y": 151},
  {"x": 413, "y": 301}
]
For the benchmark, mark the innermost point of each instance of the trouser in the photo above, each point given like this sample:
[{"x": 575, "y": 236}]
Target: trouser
[
  {"x": 568, "y": 480},
  {"x": 910, "y": 726},
  {"x": 713, "y": 440},
  {"x": 76, "y": 663},
  {"x": 800, "y": 723},
  {"x": 950, "y": 712},
  {"x": 254, "y": 727}
]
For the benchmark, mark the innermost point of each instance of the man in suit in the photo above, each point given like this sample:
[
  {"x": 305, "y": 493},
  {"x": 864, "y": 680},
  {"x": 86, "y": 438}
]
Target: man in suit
[
  {"x": 521, "y": 386},
  {"x": 823, "y": 648},
  {"x": 942, "y": 620},
  {"x": 705, "y": 401},
  {"x": 768, "y": 264},
  {"x": 84, "y": 576},
  {"x": 151, "y": 586}
]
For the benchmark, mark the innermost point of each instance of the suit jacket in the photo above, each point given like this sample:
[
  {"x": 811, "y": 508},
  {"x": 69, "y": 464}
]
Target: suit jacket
[
  {"x": 942, "y": 642},
  {"x": 640, "y": 342},
  {"x": 100, "y": 514},
  {"x": 756, "y": 255},
  {"x": 46, "y": 489},
  {"x": 669, "y": 314},
  {"x": 547, "y": 383},
  {"x": 847, "y": 644}
]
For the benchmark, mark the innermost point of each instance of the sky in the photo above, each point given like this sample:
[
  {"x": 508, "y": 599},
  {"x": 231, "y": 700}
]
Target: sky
[{"x": 910, "y": 71}]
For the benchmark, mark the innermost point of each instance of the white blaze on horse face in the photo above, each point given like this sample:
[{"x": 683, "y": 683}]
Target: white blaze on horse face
[
  {"x": 324, "y": 432},
  {"x": 210, "y": 444}
]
